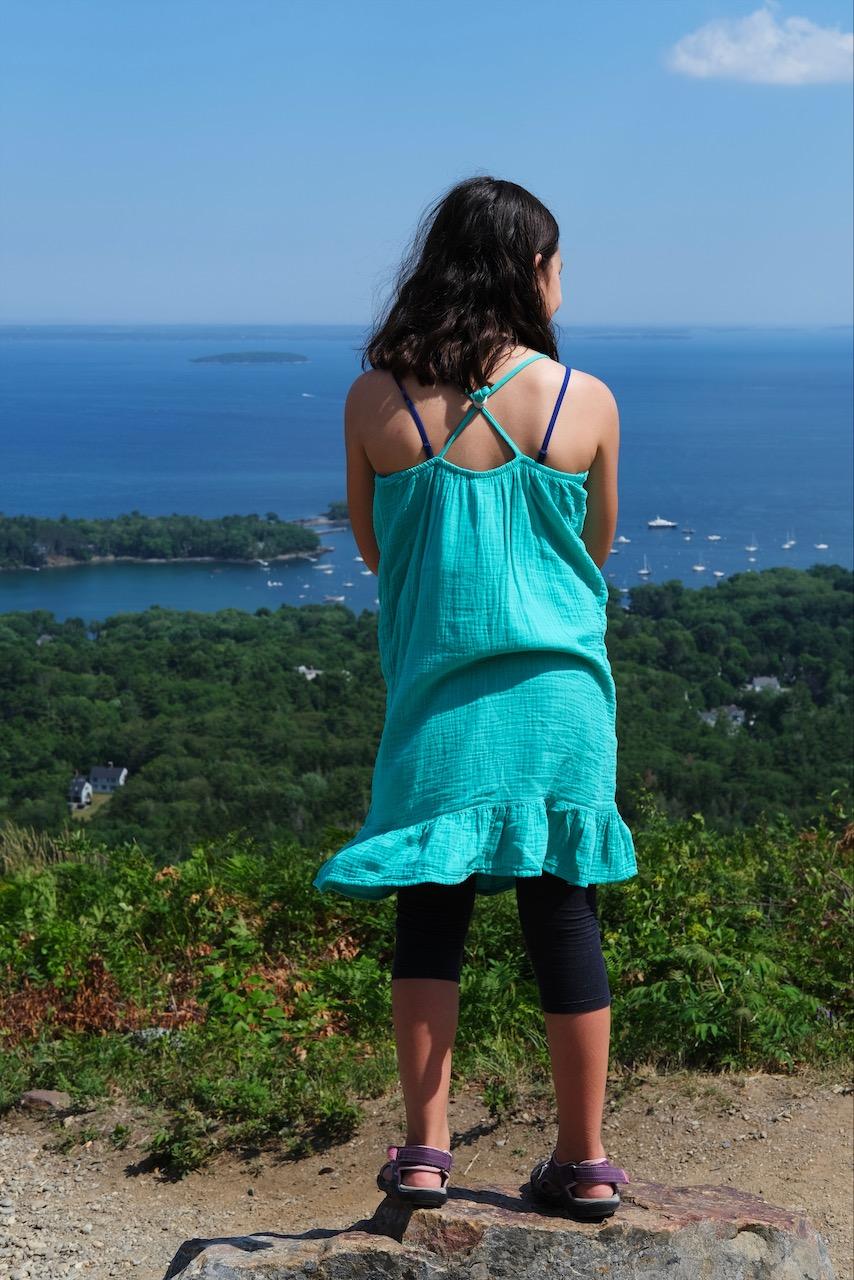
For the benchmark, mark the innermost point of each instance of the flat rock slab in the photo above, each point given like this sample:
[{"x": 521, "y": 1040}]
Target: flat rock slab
[{"x": 497, "y": 1233}]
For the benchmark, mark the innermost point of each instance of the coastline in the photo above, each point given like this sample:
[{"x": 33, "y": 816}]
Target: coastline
[{"x": 68, "y": 562}]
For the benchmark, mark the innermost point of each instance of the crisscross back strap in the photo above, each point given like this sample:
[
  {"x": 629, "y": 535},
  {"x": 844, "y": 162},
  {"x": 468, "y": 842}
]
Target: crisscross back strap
[{"x": 478, "y": 406}]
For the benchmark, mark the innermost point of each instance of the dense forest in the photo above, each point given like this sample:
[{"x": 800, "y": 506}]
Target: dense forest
[
  {"x": 221, "y": 731},
  {"x": 34, "y": 542}
]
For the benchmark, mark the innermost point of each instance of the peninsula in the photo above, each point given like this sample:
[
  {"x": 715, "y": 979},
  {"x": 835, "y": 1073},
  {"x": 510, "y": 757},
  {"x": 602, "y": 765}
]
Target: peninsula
[{"x": 35, "y": 542}]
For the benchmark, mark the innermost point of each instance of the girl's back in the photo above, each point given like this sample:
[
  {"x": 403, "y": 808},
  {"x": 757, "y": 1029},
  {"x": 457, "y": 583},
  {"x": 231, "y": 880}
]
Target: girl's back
[{"x": 498, "y": 751}]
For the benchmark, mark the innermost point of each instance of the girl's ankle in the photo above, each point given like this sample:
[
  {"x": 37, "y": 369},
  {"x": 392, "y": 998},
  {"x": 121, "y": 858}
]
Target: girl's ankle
[{"x": 565, "y": 1158}]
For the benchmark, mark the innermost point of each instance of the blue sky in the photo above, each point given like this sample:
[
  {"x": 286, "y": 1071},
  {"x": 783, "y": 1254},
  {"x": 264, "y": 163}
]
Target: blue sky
[{"x": 266, "y": 161}]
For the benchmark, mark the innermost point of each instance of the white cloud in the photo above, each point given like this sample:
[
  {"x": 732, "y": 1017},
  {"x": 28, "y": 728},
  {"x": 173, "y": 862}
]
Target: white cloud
[{"x": 763, "y": 50}]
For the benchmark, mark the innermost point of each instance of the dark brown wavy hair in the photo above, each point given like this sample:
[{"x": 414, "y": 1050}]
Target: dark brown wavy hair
[{"x": 467, "y": 289}]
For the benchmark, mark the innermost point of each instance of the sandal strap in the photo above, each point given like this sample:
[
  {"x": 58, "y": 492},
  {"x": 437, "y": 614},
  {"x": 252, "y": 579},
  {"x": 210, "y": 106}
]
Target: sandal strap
[
  {"x": 416, "y": 1155},
  {"x": 570, "y": 1173}
]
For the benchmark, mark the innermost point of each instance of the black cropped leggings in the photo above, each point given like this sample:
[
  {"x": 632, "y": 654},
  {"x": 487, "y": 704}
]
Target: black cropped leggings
[{"x": 559, "y": 925}]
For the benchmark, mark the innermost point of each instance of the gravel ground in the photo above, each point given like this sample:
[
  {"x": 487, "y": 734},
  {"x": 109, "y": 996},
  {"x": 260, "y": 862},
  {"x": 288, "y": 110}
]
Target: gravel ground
[{"x": 102, "y": 1212}]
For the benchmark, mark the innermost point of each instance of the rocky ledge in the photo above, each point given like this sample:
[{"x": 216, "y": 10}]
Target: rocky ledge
[{"x": 497, "y": 1233}]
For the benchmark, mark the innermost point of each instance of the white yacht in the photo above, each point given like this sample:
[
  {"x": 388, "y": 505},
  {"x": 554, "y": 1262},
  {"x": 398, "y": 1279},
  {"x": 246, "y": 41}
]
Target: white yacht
[
  {"x": 718, "y": 573},
  {"x": 646, "y": 569},
  {"x": 622, "y": 538},
  {"x": 660, "y": 523},
  {"x": 698, "y": 568},
  {"x": 752, "y": 544},
  {"x": 713, "y": 537},
  {"x": 820, "y": 546}
]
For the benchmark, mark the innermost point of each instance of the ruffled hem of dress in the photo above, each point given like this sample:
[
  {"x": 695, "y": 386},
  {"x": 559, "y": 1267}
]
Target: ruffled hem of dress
[{"x": 495, "y": 842}]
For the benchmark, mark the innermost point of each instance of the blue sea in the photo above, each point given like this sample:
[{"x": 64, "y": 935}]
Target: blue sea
[{"x": 740, "y": 432}]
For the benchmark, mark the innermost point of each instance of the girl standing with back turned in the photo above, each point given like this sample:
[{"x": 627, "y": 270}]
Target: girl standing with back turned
[{"x": 497, "y": 762}]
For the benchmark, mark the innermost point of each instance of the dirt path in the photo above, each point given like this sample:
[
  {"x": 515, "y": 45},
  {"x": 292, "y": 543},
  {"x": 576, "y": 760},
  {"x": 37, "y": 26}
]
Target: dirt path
[{"x": 97, "y": 1212}]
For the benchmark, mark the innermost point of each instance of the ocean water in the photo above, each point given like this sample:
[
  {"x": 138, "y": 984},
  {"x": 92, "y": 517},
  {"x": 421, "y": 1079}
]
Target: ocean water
[{"x": 742, "y": 432}]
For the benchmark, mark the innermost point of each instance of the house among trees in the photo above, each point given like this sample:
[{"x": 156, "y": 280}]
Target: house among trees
[
  {"x": 106, "y": 778},
  {"x": 79, "y": 791},
  {"x": 760, "y": 683},
  {"x": 734, "y": 715}
]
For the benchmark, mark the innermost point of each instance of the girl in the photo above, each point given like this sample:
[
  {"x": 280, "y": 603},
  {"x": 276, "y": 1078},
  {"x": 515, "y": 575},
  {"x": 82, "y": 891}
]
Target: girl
[{"x": 482, "y": 489}]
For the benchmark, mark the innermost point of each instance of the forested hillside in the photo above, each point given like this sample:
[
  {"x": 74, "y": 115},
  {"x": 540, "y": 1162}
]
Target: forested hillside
[{"x": 220, "y": 731}]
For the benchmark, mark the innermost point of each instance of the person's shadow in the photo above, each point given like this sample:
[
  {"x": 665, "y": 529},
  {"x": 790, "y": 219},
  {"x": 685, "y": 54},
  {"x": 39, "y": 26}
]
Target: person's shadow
[{"x": 390, "y": 1218}]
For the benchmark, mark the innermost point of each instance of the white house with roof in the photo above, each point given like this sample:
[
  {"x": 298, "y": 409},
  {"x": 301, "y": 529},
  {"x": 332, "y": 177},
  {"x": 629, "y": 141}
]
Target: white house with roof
[
  {"x": 79, "y": 791},
  {"x": 107, "y": 778}
]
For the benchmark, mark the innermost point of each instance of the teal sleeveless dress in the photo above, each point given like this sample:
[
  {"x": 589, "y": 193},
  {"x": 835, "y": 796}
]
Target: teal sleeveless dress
[{"x": 498, "y": 753}]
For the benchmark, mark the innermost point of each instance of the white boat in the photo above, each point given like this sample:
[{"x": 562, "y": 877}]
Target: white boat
[
  {"x": 752, "y": 544},
  {"x": 622, "y": 538},
  {"x": 698, "y": 568},
  {"x": 333, "y": 597},
  {"x": 646, "y": 569},
  {"x": 790, "y": 541},
  {"x": 718, "y": 573},
  {"x": 660, "y": 523},
  {"x": 820, "y": 546},
  {"x": 713, "y": 537},
  {"x": 359, "y": 558},
  {"x": 615, "y": 551},
  {"x": 364, "y": 572},
  {"x": 686, "y": 528}
]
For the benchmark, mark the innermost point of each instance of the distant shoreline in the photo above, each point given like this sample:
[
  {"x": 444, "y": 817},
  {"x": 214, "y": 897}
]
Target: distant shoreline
[{"x": 68, "y": 562}]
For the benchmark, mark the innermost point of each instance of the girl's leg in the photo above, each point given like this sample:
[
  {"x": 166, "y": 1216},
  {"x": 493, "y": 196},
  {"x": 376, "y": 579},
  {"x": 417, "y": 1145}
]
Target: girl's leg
[
  {"x": 431, "y": 926},
  {"x": 561, "y": 932}
]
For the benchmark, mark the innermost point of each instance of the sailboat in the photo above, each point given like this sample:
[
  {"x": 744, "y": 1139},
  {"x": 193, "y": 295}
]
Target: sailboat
[
  {"x": 646, "y": 569},
  {"x": 790, "y": 541},
  {"x": 752, "y": 544}
]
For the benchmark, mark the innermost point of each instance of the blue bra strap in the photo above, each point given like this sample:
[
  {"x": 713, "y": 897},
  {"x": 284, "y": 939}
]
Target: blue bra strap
[
  {"x": 419, "y": 424},
  {"x": 544, "y": 446}
]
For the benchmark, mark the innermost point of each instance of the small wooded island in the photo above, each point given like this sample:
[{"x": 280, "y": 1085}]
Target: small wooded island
[
  {"x": 252, "y": 357},
  {"x": 33, "y": 542}
]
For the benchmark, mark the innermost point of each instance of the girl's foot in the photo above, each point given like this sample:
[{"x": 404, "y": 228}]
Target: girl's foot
[
  {"x": 422, "y": 1177},
  {"x": 588, "y": 1190}
]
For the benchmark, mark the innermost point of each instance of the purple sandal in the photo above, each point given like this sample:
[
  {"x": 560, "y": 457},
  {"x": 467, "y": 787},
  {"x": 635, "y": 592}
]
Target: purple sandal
[
  {"x": 552, "y": 1183},
  {"x": 414, "y": 1156}
]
